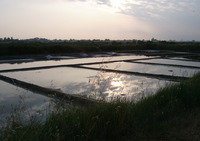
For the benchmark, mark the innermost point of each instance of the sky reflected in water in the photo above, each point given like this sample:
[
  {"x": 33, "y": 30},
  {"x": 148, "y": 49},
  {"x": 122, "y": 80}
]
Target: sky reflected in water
[
  {"x": 66, "y": 62},
  {"x": 146, "y": 68},
  {"x": 175, "y": 62},
  {"x": 18, "y": 101},
  {"x": 90, "y": 83}
]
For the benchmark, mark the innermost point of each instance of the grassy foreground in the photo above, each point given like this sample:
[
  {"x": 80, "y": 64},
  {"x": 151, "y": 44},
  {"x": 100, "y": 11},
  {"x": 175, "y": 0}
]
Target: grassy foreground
[{"x": 172, "y": 114}]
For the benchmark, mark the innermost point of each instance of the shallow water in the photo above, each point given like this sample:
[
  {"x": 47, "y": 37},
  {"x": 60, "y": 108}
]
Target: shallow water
[
  {"x": 145, "y": 68},
  {"x": 174, "y": 62},
  {"x": 91, "y": 83},
  {"x": 85, "y": 82},
  {"x": 21, "y": 102},
  {"x": 6, "y": 66},
  {"x": 16, "y": 60}
]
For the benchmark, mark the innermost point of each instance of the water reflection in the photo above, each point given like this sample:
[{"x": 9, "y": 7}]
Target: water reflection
[
  {"x": 90, "y": 83},
  {"x": 116, "y": 83},
  {"x": 66, "y": 62},
  {"x": 145, "y": 68},
  {"x": 174, "y": 62},
  {"x": 110, "y": 86},
  {"x": 15, "y": 101}
]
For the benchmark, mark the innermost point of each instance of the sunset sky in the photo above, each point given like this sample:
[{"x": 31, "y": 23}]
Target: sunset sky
[{"x": 101, "y": 19}]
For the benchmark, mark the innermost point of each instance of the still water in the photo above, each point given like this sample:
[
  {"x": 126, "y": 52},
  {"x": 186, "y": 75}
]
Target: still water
[
  {"x": 15, "y": 101},
  {"x": 147, "y": 68},
  {"x": 5, "y": 66},
  {"x": 90, "y": 83},
  {"x": 173, "y": 62},
  {"x": 84, "y": 82}
]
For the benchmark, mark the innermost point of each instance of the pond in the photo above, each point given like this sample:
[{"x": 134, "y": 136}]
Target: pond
[{"x": 90, "y": 83}]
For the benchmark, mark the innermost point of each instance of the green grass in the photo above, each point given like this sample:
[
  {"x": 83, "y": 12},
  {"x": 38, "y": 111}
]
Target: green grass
[{"x": 172, "y": 114}]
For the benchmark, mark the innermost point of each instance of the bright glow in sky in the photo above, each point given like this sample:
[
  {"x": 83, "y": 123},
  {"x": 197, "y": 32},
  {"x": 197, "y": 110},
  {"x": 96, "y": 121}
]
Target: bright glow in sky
[{"x": 100, "y": 19}]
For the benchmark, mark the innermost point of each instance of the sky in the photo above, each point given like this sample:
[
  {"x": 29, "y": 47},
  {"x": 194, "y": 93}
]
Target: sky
[{"x": 101, "y": 19}]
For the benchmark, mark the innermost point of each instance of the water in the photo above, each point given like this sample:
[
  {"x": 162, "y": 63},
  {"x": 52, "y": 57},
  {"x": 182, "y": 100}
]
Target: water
[
  {"x": 16, "y": 60},
  {"x": 90, "y": 83},
  {"x": 145, "y": 68},
  {"x": 6, "y": 66},
  {"x": 174, "y": 62},
  {"x": 85, "y": 82},
  {"x": 20, "y": 102},
  {"x": 99, "y": 84}
]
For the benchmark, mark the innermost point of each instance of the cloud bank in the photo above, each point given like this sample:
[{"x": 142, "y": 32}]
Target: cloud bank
[
  {"x": 149, "y": 8},
  {"x": 162, "y": 19}
]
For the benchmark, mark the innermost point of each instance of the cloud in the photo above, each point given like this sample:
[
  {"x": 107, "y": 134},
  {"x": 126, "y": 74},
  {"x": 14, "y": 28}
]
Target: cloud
[
  {"x": 145, "y": 9},
  {"x": 156, "y": 8},
  {"x": 174, "y": 19},
  {"x": 98, "y": 2},
  {"x": 77, "y": 0},
  {"x": 104, "y": 2}
]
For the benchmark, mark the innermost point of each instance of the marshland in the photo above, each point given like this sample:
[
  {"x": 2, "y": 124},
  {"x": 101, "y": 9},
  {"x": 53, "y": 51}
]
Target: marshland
[{"x": 115, "y": 91}]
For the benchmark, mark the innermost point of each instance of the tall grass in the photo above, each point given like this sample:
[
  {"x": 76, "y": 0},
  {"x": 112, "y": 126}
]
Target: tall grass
[{"x": 170, "y": 114}]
